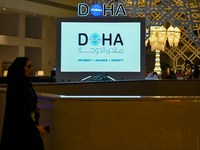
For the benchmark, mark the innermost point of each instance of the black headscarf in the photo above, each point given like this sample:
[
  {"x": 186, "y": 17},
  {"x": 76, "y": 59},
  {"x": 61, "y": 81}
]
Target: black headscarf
[
  {"x": 16, "y": 79},
  {"x": 16, "y": 72}
]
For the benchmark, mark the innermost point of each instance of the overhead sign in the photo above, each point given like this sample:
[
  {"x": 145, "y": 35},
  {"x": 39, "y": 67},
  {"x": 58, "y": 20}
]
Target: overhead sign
[{"x": 98, "y": 10}]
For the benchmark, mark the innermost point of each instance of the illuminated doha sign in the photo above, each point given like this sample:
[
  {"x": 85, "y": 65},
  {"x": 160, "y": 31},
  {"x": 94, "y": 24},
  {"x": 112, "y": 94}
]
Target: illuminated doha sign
[{"x": 97, "y": 10}]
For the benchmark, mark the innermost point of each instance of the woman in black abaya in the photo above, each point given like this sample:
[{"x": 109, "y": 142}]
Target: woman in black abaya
[{"x": 21, "y": 130}]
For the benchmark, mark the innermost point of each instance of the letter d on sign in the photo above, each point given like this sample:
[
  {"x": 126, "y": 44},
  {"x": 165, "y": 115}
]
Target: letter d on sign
[
  {"x": 83, "y": 7},
  {"x": 81, "y": 36}
]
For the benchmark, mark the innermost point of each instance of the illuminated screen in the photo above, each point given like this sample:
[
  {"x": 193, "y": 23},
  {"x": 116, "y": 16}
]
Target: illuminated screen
[
  {"x": 95, "y": 45},
  {"x": 100, "y": 47}
]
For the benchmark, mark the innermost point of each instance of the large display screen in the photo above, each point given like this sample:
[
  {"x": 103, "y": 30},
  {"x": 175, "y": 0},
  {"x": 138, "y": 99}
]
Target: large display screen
[
  {"x": 100, "y": 47},
  {"x": 95, "y": 45}
]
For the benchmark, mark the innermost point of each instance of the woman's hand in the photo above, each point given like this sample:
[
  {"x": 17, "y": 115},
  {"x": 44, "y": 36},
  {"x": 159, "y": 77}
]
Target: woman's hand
[
  {"x": 37, "y": 109},
  {"x": 41, "y": 130}
]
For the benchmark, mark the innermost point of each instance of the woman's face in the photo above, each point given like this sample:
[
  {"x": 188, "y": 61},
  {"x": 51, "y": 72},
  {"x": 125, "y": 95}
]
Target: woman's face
[{"x": 28, "y": 69}]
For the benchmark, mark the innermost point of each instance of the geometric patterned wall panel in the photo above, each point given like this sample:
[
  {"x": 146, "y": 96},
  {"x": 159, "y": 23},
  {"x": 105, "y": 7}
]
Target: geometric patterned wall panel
[{"x": 184, "y": 14}]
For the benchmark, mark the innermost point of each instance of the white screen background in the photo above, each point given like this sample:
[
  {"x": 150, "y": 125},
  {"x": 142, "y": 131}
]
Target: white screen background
[{"x": 72, "y": 60}]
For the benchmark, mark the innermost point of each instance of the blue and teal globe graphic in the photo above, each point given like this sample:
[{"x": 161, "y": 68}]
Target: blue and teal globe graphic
[
  {"x": 96, "y": 10},
  {"x": 95, "y": 39}
]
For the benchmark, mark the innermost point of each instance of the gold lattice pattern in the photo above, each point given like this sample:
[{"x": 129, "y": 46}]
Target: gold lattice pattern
[{"x": 184, "y": 14}]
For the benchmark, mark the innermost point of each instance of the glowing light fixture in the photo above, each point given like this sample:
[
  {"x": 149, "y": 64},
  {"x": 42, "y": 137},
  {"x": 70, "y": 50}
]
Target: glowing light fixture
[
  {"x": 177, "y": 36},
  {"x": 157, "y": 42},
  {"x": 158, "y": 37},
  {"x": 5, "y": 73},
  {"x": 40, "y": 73},
  {"x": 173, "y": 35},
  {"x": 170, "y": 35}
]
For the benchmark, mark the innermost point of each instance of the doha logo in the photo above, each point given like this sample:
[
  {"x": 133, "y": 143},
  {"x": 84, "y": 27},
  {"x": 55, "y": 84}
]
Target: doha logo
[
  {"x": 95, "y": 39},
  {"x": 97, "y": 10}
]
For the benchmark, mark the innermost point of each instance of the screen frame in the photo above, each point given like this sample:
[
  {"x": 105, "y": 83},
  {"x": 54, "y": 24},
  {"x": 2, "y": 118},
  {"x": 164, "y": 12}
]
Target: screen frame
[{"x": 78, "y": 76}]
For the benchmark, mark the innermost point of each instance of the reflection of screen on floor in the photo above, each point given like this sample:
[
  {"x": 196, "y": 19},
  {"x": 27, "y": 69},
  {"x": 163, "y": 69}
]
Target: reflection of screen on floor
[{"x": 100, "y": 45}]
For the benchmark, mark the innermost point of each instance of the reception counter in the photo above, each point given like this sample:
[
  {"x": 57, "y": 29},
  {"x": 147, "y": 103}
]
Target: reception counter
[
  {"x": 121, "y": 87},
  {"x": 90, "y": 122},
  {"x": 124, "y": 87}
]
